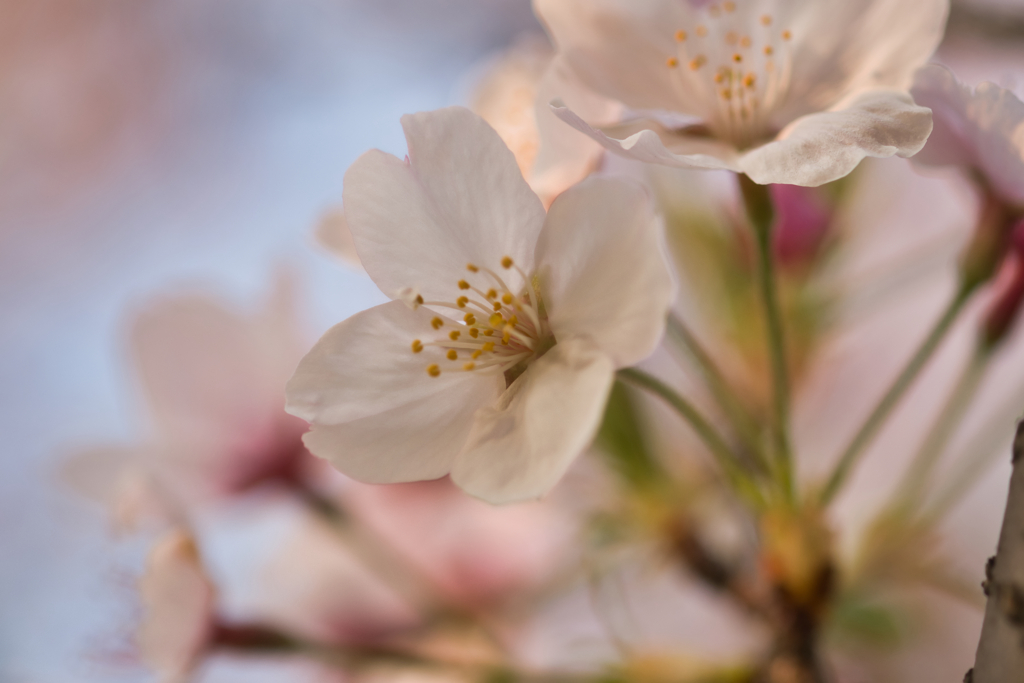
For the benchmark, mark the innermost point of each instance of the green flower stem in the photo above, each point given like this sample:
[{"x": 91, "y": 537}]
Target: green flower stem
[
  {"x": 722, "y": 392},
  {"x": 949, "y": 417},
  {"x": 708, "y": 434},
  {"x": 892, "y": 397},
  {"x": 761, "y": 212}
]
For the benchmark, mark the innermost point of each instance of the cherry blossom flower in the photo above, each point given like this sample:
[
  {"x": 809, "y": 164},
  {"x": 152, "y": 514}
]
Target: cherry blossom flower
[
  {"x": 213, "y": 380},
  {"x": 981, "y": 131},
  {"x": 785, "y": 92},
  {"x": 472, "y": 553},
  {"x": 512, "y": 97},
  {"x": 179, "y": 601},
  {"x": 494, "y": 361}
]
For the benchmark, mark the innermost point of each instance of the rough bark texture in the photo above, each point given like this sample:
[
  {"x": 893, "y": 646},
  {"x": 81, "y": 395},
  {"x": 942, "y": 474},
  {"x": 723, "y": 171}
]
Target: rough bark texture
[{"x": 1000, "y": 657}]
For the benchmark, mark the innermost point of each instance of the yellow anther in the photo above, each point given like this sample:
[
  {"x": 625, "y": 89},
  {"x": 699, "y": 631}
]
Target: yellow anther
[
  {"x": 454, "y": 335},
  {"x": 497, "y": 305},
  {"x": 469, "y": 366},
  {"x": 419, "y": 300},
  {"x": 470, "y": 319},
  {"x": 504, "y": 338},
  {"x": 786, "y": 35},
  {"x": 749, "y": 80},
  {"x": 769, "y": 50},
  {"x": 726, "y": 94},
  {"x": 507, "y": 262},
  {"x": 417, "y": 346},
  {"x": 476, "y": 354},
  {"x": 671, "y": 62},
  {"x": 488, "y": 333},
  {"x": 701, "y": 30},
  {"x": 507, "y": 298},
  {"x": 437, "y": 323},
  {"x": 697, "y": 62},
  {"x": 766, "y": 20},
  {"x": 452, "y": 354},
  {"x": 463, "y": 284},
  {"x": 496, "y": 320},
  {"x": 680, "y": 36},
  {"x": 729, "y": 6},
  {"x": 737, "y": 58},
  {"x": 492, "y": 293},
  {"x": 719, "y": 77},
  {"x": 745, "y": 41},
  {"x": 433, "y": 370},
  {"x": 474, "y": 332},
  {"x": 462, "y": 301},
  {"x": 471, "y": 268},
  {"x": 513, "y": 321},
  {"x": 487, "y": 347}
]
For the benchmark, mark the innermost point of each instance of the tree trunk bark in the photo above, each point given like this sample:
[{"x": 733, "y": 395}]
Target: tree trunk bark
[{"x": 1000, "y": 657}]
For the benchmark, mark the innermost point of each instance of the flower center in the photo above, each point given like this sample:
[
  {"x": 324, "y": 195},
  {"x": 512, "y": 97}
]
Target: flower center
[
  {"x": 501, "y": 331},
  {"x": 736, "y": 68}
]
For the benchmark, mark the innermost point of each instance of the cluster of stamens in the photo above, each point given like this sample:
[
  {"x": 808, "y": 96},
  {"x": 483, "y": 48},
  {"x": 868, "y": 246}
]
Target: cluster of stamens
[
  {"x": 499, "y": 329},
  {"x": 737, "y": 73}
]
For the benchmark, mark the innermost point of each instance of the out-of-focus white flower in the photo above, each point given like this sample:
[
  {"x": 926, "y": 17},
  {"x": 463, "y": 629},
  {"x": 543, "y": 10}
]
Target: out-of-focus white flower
[
  {"x": 500, "y": 375},
  {"x": 513, "y": 97},
  {"x": 214, "y": 381},
  {"x": 318, "y": 588},
  {"x": 981, "y": 131},
  {"x": 783, "y": 91},
  {"x": 471, "y": 552},
  {"x": 179, "y": 600}
]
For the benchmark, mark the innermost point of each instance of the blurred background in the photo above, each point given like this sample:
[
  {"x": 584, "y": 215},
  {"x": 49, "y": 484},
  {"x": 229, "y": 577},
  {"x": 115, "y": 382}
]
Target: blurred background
[
  {"x": 148, "y": 146},
  {"x": 152, "y": 146}
]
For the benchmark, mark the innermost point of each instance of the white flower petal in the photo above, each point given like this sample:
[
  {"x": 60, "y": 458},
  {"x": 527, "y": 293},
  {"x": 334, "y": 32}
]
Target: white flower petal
[
  {"x": 618, "y": 47},
  {"x": 210, "y": 373},
  {"x": 983, "y": 130},
  {"x": 823, "y": 147},
  {"x": 178, "y": 598},
  {"x": 655, "y": 144},
  {"x": 459, "y": 199},
  {"x": 566, "y": 156},
  {"x": 844, "y": 47},
  {"x": 520, "y": 448},
  {"x": 376, "y": 413},
  {"x": 603, "y": 269}
]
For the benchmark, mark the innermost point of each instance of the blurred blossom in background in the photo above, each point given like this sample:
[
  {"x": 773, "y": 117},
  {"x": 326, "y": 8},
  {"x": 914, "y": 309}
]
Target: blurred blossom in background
[
  {"x": 150, "y": 147},
  {"x": 163, "y": 166}
]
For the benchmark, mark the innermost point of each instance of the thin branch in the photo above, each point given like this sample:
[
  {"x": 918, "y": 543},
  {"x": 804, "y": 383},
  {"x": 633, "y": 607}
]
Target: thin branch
[{"x": 892, "y": 397}]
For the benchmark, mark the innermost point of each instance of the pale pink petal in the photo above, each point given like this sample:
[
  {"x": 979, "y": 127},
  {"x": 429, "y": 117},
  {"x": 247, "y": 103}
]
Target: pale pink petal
[
  {"x": 376, "y": 413},
  {"x": 981, "y": 130},
  {"x": 317, "y": 586},
  {"x": 178, "y": 599},
  {"x": 459, "y": 199},
  {"x": 211, "y": 373},
  {"x": 521, "y": 446},
  {"x": 333, "y": 234},
  {"x": 653, "y": 143},
  {"x": 844, "y": 47},
  {"x": 473, "y": 552},
  {"x": 564, "y": 155},
  {"x": 603, "y": 270},
  {"x": 820, "y": 148},
  {"x": 618, "y": 48}
]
